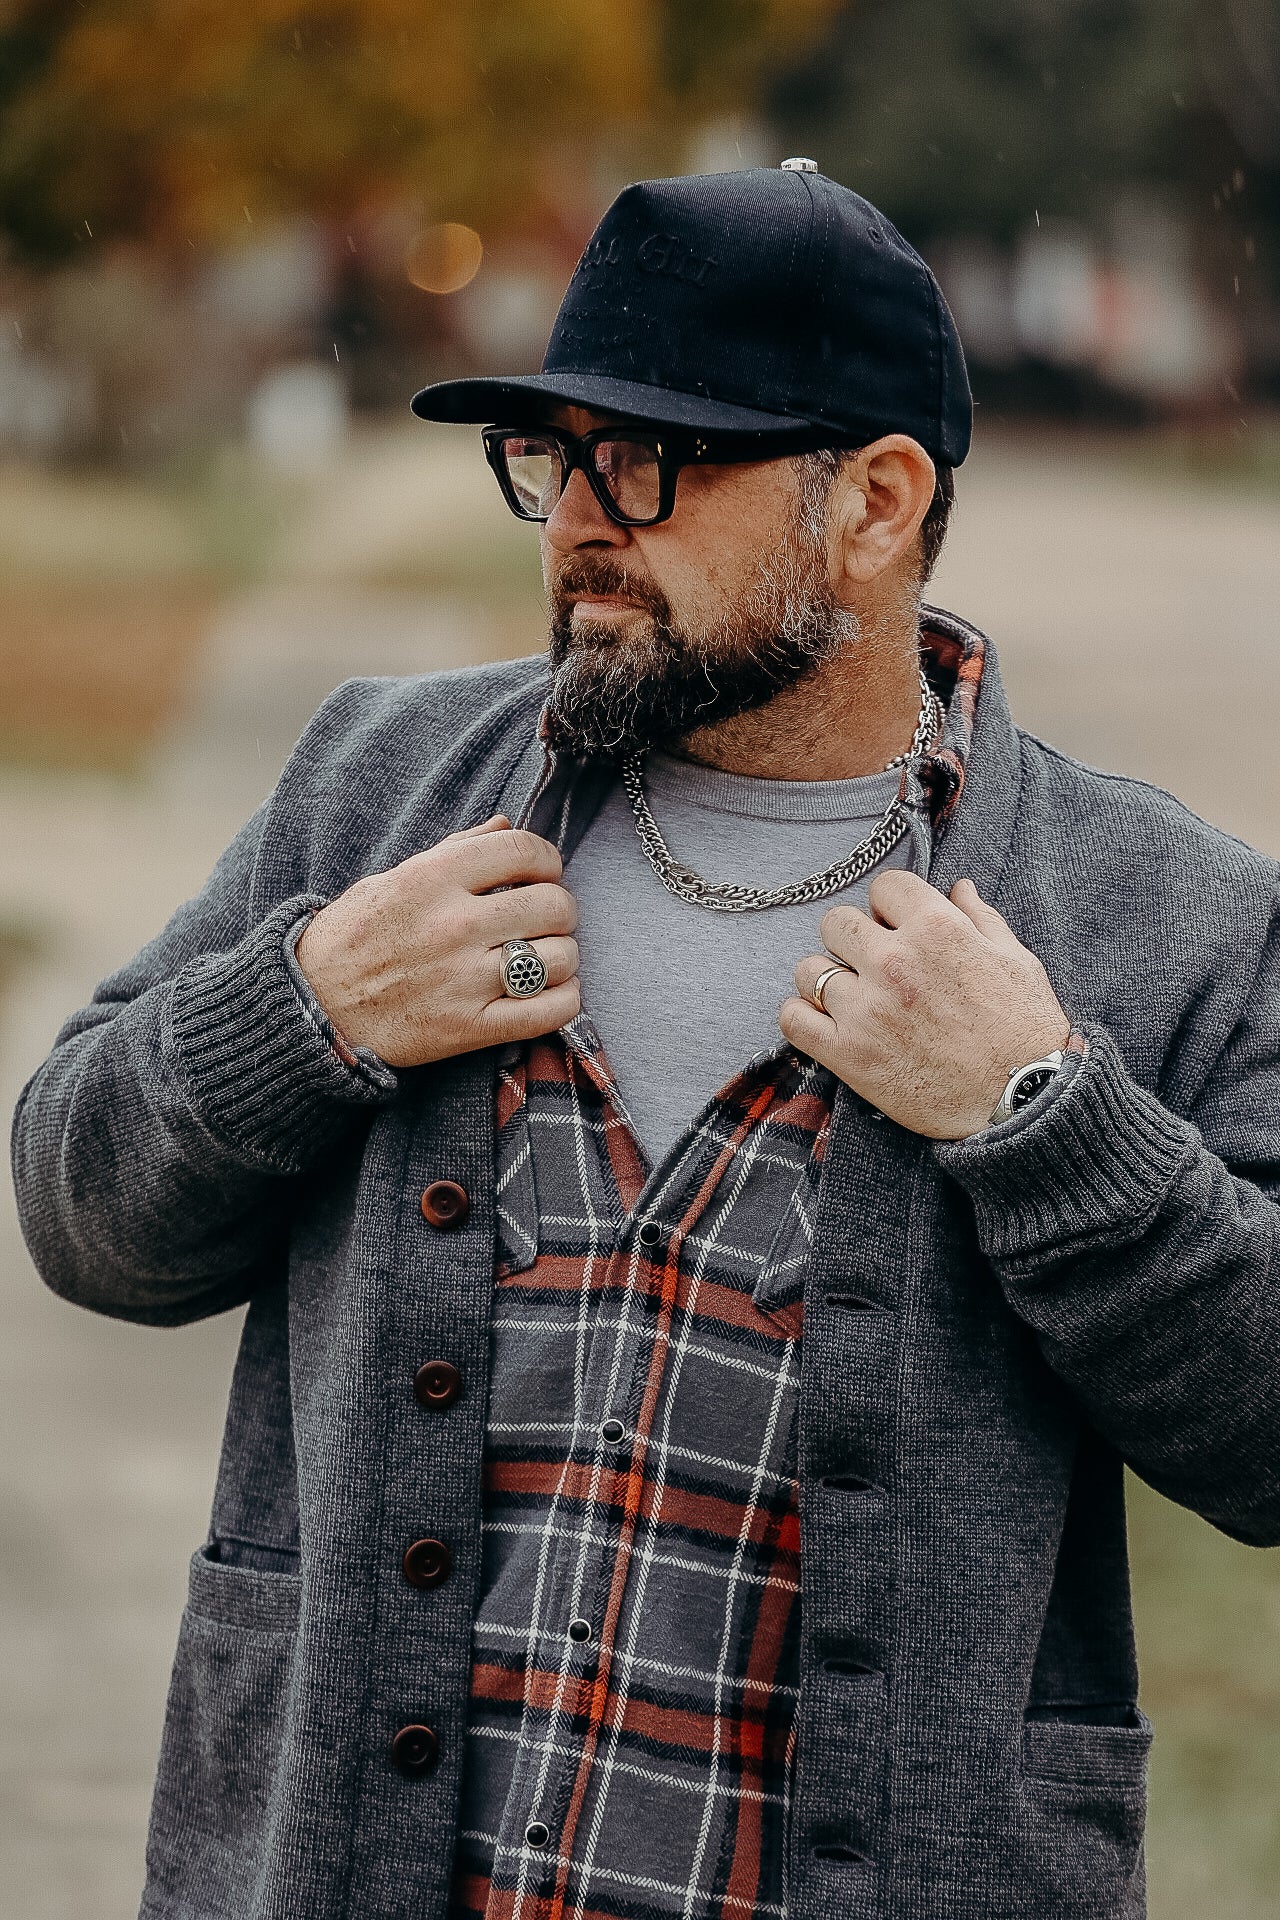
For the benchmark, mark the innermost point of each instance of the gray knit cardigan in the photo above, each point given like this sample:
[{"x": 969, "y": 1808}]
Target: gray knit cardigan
[{"x": 990, "y": 1329}]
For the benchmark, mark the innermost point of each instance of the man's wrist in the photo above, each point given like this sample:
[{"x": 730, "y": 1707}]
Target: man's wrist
[
  {"x": 1026, "y": 1083},
  {"x": 263, "y": 1076},
  {"x": 1091, "y": 1157},
  {"x": 362, "y": 1060}
]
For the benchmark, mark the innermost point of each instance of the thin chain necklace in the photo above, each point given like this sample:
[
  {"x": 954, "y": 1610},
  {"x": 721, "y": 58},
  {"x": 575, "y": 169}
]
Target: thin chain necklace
[{"x": 722, "y": 896}]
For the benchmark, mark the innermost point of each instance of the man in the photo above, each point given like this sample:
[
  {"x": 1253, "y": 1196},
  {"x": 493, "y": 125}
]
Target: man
[{"x": 675, "y": 1469}]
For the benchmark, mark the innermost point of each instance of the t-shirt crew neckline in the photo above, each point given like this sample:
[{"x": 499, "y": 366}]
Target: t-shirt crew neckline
[{"x": 751, "y": 798}]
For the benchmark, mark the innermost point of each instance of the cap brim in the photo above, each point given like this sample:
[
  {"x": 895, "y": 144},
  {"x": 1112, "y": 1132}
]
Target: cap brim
[{"x": 479, "y": 401}]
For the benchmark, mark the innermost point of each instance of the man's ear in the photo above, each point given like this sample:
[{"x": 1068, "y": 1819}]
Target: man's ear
[{"x": 880, "y": 498}]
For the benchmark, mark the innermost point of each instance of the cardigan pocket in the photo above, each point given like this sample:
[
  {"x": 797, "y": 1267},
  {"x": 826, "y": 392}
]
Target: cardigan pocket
[
  {"x": 1084, "y": 1791},
  {"x": 1071, "y": 1751},
  {"x": 223, "y": 1725}
]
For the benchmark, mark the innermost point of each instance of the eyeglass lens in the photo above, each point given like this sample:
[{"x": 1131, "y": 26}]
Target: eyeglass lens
[
  {"x": 535, "y": 471},
  {"x": 628, "y": 469},
  {"x": 631, "y": 476}
]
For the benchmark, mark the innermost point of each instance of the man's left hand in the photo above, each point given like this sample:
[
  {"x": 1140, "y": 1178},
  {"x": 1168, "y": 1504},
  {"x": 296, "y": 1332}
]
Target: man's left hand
[{"x": 942, "y": 1004}]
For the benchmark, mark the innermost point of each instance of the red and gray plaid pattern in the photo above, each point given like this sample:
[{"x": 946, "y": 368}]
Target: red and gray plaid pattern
[
  {"x": 635, "y": 1676},
  {"x": 653, "y": 1751},
  {"x": 954, "y": 663}
]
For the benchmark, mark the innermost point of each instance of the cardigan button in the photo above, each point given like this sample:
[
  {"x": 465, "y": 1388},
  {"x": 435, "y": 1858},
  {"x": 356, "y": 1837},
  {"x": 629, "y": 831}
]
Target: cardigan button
[
  {"x": 427, "y": 1563},
  {"x": 436, "y": 1384},
  {"x": 445, "y": 1205},
  {"x": 415, "y": 1751}
]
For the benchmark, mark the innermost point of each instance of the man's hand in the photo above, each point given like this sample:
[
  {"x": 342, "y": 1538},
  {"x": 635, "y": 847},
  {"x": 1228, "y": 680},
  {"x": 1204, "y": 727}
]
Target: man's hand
[
  {"x": 409, "y": 962},
  {"x": 943, "y": 1003}
]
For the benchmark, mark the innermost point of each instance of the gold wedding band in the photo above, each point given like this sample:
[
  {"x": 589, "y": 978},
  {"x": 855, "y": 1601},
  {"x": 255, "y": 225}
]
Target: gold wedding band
[{"x": 819, "y": 984}]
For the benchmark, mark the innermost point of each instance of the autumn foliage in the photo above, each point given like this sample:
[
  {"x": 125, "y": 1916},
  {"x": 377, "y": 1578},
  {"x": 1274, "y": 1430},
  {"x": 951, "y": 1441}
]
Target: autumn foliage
[{"x": 178, "y": 120}]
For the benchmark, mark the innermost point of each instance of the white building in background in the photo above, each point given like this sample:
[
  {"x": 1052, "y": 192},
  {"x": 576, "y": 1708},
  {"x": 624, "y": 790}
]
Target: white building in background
[
  {"x": 298, "y": 418},
  {"x": 44, "y": 406},
  {"x": 271, "y": 283},
  {"x": 1056, "y": 293},
  {"x": 1130, "y": 311}
]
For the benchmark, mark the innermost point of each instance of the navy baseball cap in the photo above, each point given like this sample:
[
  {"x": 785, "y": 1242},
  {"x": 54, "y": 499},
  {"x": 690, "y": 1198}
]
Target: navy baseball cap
[{"x": 772, "y": 300}]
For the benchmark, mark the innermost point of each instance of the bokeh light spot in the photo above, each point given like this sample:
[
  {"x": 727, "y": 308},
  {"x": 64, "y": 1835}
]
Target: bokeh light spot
[{"x": 444, "y": 258}]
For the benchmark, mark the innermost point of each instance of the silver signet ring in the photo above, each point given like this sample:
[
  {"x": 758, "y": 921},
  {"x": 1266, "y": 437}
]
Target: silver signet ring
[
  {"x": 523, "y": 973},
  {"x": 820, "y": 985}
]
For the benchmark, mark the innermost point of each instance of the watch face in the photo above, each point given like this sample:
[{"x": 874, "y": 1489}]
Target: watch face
[{"x": 1029, "y": 1086}]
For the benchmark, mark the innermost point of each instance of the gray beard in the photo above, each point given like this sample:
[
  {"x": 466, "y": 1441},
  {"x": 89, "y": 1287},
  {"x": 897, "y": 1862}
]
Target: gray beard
[{"x": 612, "y": 695}]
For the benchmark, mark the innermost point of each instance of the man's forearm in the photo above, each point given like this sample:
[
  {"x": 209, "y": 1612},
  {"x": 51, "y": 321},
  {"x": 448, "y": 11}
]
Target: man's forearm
[
  {"x": 1151, "y": 1278},
  {"x": 153, "y": 1149}
]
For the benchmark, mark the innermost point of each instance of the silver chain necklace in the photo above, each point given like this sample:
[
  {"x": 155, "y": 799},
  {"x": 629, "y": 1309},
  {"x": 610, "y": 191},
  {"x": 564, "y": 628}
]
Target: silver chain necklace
[{"x": 721, "y": 896}]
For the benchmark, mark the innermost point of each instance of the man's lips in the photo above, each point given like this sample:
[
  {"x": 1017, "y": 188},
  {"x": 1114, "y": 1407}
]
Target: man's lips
[{"x": 602, "y": 603}]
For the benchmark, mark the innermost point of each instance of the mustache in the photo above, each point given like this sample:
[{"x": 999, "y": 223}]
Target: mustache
[
  {"x": 617, "y": 688},
  {"x": 599, "y": 573}
]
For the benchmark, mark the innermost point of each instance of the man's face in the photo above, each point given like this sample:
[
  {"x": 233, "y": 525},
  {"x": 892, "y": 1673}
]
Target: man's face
[{"x": 658, "y": 630}]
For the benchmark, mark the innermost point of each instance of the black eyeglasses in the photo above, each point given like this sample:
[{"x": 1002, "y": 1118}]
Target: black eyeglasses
[{"x": 631, "y": 471}]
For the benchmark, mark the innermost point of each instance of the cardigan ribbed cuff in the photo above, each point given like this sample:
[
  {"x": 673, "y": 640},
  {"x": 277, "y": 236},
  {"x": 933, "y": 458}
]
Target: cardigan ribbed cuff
[
  {"x": 259, "y": 1069},
  {"x": 1088, "y": 1161}
]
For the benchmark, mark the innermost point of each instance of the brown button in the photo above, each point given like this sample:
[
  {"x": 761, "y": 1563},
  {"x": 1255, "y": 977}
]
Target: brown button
[
  {"x": 426, "y": 1563},
  {"x": 415, "y": 1751},
  {"x": 445, "y": 1204},
  {"x": 437, "y": 1383}
]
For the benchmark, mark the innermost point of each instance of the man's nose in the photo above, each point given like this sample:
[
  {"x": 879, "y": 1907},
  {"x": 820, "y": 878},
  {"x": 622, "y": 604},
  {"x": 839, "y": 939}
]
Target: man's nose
[{"x": 578, "y": 520}]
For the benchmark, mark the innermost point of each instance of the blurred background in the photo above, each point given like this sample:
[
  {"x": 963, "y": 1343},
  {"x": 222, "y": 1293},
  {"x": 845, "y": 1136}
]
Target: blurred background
[{"x": 234, "y": 236}]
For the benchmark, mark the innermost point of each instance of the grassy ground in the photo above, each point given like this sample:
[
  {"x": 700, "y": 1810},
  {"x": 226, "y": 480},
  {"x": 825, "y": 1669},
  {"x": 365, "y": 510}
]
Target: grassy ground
[
  {"x": 1208, "y": 1613},
  {"x": 106, "y": 590},
  {"x": 109, "y": 584}
]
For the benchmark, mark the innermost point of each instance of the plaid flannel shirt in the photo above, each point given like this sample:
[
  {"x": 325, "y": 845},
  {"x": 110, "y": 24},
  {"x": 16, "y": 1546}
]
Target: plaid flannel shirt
[{"x": 635, "y": 1677}]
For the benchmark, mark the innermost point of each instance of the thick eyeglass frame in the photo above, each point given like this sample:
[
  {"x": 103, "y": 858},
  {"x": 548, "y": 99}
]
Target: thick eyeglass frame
[{"x": 672, "y": 448}]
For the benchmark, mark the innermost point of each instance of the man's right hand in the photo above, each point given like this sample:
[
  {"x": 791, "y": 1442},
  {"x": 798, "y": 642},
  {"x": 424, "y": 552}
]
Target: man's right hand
[{"x": 409, "y": 963}]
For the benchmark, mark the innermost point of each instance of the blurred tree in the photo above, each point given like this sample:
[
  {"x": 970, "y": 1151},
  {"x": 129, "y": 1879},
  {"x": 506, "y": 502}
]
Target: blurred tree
[
  {"x": 981, "y": 120},
  {"x": 973, "y": 116},
  {"x": 184, "y": 120}
]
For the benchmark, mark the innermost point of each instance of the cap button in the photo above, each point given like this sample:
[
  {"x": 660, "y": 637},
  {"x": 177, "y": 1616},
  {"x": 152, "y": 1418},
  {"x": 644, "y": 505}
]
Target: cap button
[{"x": 799, "y": 166}]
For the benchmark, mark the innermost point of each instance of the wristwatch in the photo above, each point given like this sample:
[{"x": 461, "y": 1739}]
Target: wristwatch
[{"x": 1024, "y": 1083}]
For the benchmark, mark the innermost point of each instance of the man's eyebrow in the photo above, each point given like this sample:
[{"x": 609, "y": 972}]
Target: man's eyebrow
[{"x": 555, "y": 418}]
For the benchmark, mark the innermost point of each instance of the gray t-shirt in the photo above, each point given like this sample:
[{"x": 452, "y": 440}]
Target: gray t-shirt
[{"x": 682, "y": 997}]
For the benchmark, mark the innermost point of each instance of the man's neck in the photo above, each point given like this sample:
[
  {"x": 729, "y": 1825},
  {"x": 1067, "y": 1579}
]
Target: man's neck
[{"x": 850, "y": 716}]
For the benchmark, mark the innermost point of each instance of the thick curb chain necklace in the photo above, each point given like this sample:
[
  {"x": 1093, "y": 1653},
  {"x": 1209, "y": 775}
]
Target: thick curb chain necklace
[{"x": 721, "y": 896}]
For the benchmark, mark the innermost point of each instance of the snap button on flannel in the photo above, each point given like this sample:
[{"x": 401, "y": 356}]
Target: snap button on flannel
[{"x": 660, "y": 1432}]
